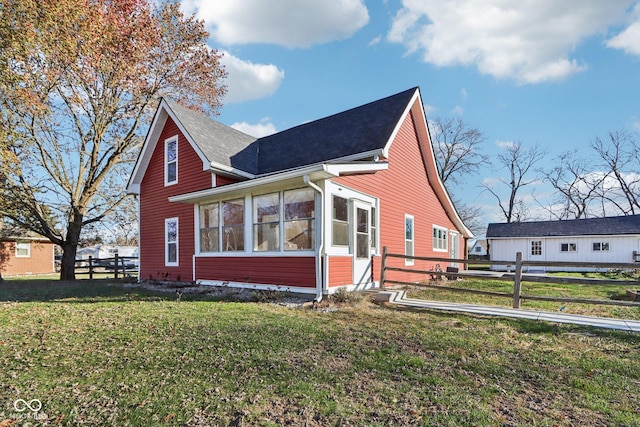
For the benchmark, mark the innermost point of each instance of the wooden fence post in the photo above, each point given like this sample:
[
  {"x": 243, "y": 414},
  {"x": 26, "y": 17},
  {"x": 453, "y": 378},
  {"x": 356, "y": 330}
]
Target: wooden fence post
[
  {"x": 517, "y": 281},
  {"x": 383, "y": 265},
  {"x": 90, "y": 267},
  {"x": 115, "y": 265}
]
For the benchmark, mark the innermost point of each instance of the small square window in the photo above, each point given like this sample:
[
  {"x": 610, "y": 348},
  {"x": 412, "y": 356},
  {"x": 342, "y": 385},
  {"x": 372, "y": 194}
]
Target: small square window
[{"x": 23, "y": 249}]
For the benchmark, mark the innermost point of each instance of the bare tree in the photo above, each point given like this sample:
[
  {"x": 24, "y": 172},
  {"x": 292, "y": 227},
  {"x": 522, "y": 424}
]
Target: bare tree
[
  {"x": 621, "y": 161},
  {"x": 78, "y": 83},
  {"x": 520, "y": 164},
  {"x": 457, "y": 148},
  {"x": 577, "y": 184}
]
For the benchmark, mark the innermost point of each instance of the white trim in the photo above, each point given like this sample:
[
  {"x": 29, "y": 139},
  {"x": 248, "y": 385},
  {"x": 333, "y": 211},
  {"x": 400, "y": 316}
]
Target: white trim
[
  {"x": 214, "y": 180},
  {"x": 168, "y": 263},
  {"x": 168, "y": 141},
  {"x": 258, "y": 286},
  {"x": 278, "y": 181}
]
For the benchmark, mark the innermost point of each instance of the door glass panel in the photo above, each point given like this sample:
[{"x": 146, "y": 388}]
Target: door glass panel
[{"x": 362, "y": 234}]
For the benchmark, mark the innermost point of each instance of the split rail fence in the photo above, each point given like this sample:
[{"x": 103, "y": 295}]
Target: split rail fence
[
  {"x": 518, "y": 277},
  {"x": 119, "y": 265}
]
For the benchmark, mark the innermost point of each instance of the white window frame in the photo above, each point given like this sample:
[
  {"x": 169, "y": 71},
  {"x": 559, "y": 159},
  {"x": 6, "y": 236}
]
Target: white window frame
[
  {"x": 443, "y": 239},
  {"x": 535, "y": 246},
  {"x": 23, "y": 245},
  {"x": 408, "y": 217},
  {"x": 601, "y": 246},
  {"x": 168, "y": 263},
  {"x": 571, "y": 247},
  {"x": 173, "y": 139}
]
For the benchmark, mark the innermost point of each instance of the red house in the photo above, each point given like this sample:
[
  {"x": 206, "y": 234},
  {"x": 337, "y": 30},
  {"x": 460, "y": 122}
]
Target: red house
[
  {"x": 23, "y": 253},
  {"x": 307, "y": 210}
]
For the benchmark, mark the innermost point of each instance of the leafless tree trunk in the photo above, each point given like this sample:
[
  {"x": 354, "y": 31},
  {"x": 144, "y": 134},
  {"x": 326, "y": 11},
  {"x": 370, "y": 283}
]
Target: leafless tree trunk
[
  {"x": 621, "y": 160},
  {"x": 578, "y": 185},
  {"x": 457, "y": 148},
  {"x": 519, "y": 163}
]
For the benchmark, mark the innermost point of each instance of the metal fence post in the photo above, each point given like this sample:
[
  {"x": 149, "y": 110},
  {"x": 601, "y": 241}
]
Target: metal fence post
[
  {"x": 517, "y": 281},
  {"x": 90, "y": 267}
]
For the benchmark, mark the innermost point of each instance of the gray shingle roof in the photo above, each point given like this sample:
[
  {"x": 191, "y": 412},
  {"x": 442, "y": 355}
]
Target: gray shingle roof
[
  {"x": 615, "y": 225},
  {"x": 359, "y": 130},
  {"x": 218, "y": 142}
]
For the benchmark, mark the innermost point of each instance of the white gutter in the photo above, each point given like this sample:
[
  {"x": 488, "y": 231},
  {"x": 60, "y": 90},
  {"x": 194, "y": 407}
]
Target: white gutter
[{"x": 321, "y": 255}]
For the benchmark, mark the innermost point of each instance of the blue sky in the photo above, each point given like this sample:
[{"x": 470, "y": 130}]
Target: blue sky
[{"x": 555, "y": 73}]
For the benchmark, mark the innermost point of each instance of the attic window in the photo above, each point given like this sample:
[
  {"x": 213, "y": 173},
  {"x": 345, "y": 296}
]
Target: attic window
[{"x": 171, "y": 161}]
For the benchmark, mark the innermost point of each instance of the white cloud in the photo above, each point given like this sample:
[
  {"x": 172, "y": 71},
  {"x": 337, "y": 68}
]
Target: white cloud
[
  {"x": 290, "y": 23},
  {"x": 629, "y": 39},
  {"x": 376, "y": 40},
  {"x": 457, "y": 110},
  {"x": 505, "y": 144},
  {"x": 264, "y": 128},
  {"x": 246, "y": 80},
  {"x": 464, "y": 94},
  {"x": 527, "y": 41}
]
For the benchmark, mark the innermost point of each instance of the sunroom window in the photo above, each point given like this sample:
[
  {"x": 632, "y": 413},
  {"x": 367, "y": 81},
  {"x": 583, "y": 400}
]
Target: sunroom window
[
  {"x": 266, "y": 222},
  {"x": 233, "y": 225},
  {"x": 340, "y": 221},
  {"x": 299, "y": 219}
]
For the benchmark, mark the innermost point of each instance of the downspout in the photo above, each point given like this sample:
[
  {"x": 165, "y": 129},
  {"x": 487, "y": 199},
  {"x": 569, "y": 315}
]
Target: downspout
[{"x": 320, "y": 256}]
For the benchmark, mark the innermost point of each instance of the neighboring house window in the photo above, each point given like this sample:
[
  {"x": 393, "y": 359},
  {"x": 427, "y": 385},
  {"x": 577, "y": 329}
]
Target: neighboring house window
[
  {"x": 171, "y": 242},
  {"x": 299, "y": 219},
  {"x": 478, "y": 249},
  {"x": 233, "y": 225},
  {"x": 536, "y": 247},
  {"x": 171, "y": 161},
  {"x": 600, "y": 246},
  {"x": 408, "y": 238},
  {"x": 210, "y": 227},
  {"x": 266, "y": 222},
  {"x": 340, "y": 221},
  {"x": 439, "y": 239},
  {"x": 568, "y": 247},
  {"x": 23, "y": 249}
]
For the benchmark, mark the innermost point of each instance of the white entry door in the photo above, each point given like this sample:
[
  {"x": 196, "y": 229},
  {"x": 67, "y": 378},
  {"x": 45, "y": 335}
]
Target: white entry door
[
  {"x": 454, "y": 247},
  {"x": 361, "y": 239}
]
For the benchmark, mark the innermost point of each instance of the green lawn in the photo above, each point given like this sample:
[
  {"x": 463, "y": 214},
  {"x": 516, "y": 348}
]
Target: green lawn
[{"x": 95, "y": 354}]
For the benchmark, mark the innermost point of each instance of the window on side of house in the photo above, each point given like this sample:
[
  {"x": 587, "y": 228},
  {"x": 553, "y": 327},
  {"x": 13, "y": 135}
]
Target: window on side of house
[
  {"x": 408, "y": 238},
  {"x": 340, "y": 221},
  {"x": 299, "y": 219},
  {"x": 478, "y": 249},
  {"x": 600, "y": 246},
  {"x": 171, "y": 161},
  {"x": 439, "y": 239},
  {"x": 568, "y": 247},
  {"x": 23, "y": 249},
  {"x": 233, "y": 225},
  {"x": 210, "y": 227},
  {"x": 171, "y": 242},
  {"x": 266, "y": 222},
  {"x": 536, "y": 247},
  {"x": 374, "y": 228}
]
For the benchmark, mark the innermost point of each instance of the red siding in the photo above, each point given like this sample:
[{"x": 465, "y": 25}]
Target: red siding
[
  {"x": 340, "y": 270},
  {"x": 155, "y": 208},
  {"x": 40, "y": 260},
  {"x": 405, "y": 189},
  {"x": 279, "y": 271}
]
